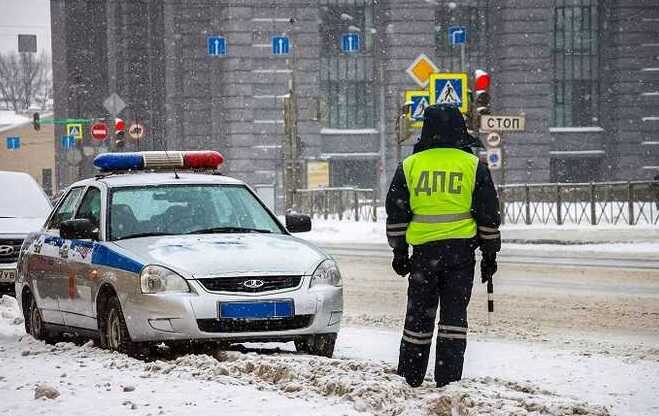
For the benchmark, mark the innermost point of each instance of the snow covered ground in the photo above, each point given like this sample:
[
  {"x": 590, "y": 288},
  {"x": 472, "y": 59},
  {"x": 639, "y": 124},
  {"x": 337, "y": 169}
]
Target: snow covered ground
[
  {"x": 611, "y": 239},
  {"x": 530, "y": 380}
]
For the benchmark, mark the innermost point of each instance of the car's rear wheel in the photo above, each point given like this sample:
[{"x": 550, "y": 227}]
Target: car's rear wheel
[
  {"x": 321, "y": 345},
  {"x": 113, "y": 331},
  {"x": 34, "y": 324}
]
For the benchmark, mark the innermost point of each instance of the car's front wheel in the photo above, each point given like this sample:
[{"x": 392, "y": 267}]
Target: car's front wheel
[
  {"x": 321, "y": 345},
  {"x": 113, "y": 331}
]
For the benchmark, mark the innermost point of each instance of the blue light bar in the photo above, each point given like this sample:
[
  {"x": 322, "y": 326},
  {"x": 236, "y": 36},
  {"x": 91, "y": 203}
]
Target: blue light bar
[{"x": 108, "y": 162}]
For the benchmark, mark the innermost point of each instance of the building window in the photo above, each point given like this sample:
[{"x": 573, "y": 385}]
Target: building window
[
  {"x": 473, "y": 16},
  {"x": 347, "y": 79},
  {"x": 575, "y": 170},
  {"x": 576, "y": 63}
]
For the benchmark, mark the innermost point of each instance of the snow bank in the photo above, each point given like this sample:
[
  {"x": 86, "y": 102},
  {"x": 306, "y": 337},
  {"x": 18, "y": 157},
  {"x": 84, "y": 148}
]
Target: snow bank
[
  {"x": 351, "y": 232},
  {"x": 242, "y": 383},
  {"x": 11, "y": 321}
]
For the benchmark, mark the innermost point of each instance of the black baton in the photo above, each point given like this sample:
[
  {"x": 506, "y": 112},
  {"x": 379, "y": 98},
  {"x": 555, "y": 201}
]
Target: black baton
[{"x": 490, "y": 299}]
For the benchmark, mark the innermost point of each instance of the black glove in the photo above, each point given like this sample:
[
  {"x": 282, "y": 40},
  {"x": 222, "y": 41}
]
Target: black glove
[
  {"x": 488, "y": 266},
  {"x": 401, "y": 264}
]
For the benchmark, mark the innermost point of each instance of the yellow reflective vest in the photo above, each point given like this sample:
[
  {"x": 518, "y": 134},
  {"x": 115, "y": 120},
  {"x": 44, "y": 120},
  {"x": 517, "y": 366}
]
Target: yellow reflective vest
[{"x": 441, "y": 183}]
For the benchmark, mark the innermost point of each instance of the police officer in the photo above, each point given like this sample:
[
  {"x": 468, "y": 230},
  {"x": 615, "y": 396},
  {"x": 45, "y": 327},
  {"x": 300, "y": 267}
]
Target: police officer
[{"x": 443, "y": 203}]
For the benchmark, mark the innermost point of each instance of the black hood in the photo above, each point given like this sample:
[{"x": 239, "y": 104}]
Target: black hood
[{"x": 444, "y": 126}]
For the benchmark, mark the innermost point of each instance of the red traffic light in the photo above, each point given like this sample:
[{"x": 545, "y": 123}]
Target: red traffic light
[
  {"x": 119, "y": 125},
  {"x": 482, "y": 80}
]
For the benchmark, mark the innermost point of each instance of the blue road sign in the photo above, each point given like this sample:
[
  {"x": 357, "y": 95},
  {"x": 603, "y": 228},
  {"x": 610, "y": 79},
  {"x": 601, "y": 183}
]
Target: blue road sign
[
  {"x": 13, "y": 143},
  {"x": 217, "y": 46},
  {"x": 68, "y": 142},
  {"x": 280, "y": 45},
  {"x": 457, "y": 35},
  {"x": 350, "y": 42}
]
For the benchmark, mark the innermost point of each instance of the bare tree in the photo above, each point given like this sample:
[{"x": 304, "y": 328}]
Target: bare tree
[{"x": 25, "y": 79}]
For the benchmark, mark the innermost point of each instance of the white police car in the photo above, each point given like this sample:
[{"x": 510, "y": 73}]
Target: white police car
[{"x": 150, "y": 252}]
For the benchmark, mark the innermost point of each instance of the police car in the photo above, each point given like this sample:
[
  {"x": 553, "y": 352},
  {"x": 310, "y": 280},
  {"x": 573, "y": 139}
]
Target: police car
[{"x": 155, "y": 250}]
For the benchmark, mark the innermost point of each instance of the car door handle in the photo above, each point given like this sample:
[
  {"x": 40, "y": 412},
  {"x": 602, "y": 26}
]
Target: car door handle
[{"x": 51, "y": 262}]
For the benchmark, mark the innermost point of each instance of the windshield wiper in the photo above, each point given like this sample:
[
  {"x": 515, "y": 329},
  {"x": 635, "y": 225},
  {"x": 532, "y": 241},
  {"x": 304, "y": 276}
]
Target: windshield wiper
[
  {"x": 220, "y": 230},
  {"x": 141, "y": 235}
]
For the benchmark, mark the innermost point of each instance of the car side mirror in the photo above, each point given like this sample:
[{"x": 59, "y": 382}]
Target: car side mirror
[
  {"x": 298, "y": 223},
  {"x": 78, "y": 229}
]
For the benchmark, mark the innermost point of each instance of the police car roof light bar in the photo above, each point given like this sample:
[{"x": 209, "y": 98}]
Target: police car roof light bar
[{"x": 111, "y": 162}]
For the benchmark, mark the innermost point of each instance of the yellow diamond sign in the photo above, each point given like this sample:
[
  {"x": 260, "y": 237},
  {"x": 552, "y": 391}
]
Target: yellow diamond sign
[{"x": 421, "y": 69}]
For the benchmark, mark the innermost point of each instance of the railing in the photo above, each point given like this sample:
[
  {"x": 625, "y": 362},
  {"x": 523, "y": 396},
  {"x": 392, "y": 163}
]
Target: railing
[
  {"x": 609, "y": 203},
  {"x": 605, "y": 203},
  {"x": 337, "y": 203}
]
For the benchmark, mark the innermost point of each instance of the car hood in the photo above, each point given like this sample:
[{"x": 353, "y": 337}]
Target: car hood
[
  {"x": 199, "y": 256},
  {"x": 20, "y": 226}
]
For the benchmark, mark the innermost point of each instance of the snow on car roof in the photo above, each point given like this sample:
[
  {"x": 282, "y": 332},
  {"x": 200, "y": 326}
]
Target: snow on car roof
[{"x": 159, "y": 178}]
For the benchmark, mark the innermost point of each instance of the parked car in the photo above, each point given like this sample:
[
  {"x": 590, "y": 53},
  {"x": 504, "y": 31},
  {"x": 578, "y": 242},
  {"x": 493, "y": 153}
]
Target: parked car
[
  {"x": 24, "y": 208},
  {"x": 138, "y": 257}
]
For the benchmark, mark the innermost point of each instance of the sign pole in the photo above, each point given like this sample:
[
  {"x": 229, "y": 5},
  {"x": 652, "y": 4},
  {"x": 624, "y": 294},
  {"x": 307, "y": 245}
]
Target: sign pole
[{"x": 462, "y": 58}]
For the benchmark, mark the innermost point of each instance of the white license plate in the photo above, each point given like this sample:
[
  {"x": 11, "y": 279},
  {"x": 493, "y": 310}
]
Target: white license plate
[{"x": 8, "y": 276}]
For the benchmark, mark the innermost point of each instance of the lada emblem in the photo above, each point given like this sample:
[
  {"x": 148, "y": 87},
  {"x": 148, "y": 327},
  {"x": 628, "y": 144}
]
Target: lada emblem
[{"x": 253, "y": 283}]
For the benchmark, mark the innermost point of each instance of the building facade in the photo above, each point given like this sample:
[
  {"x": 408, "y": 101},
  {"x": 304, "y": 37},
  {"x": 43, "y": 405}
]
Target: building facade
[
  {"x": 32, "y": 153},
  {"x": 585, "y": 73}
]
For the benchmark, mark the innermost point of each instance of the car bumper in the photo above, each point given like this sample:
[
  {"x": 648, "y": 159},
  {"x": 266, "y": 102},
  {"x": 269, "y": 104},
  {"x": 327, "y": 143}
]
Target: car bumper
[{"x": 195, "y": 316}]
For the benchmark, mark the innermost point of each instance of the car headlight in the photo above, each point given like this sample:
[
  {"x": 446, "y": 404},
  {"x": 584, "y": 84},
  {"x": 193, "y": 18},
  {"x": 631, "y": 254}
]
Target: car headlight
[
  {"x": 327, "y": 273},
  {"x": 158, "y": 279}
]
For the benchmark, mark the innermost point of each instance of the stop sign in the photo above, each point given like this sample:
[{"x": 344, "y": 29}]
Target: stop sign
[{"x": 99, "y": 131}]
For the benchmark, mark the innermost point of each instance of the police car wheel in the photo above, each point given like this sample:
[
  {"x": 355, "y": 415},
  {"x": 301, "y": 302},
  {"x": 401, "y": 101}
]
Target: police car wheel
[
  {"x": 34, "y": 322},
  {"x": 113, "y": 330},
  {"x": 321, "y": 345}
]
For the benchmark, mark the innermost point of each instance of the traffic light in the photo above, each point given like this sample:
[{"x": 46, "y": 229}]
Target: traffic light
[
  {"x": 482, "y": 92},
  {"x": 119, "y": 133},
  {"x": 36, "y": 121}
]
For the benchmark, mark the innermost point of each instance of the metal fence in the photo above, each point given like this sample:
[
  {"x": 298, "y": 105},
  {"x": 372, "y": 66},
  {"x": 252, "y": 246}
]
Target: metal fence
[
  {"x": 337, "y": 203},
  {"x": 609, "y": 203}
]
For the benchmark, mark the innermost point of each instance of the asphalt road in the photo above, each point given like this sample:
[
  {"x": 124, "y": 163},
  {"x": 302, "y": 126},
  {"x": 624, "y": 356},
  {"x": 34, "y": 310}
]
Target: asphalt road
[
  {"x": 593, "y": 303},
  {"x": 562, "y": 257}
]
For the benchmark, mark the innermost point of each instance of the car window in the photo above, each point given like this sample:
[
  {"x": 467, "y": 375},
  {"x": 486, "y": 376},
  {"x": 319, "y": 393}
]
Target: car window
[
  {"x": 183, "y": 209},
  {"x": 90, "y": 207},
  {"x": 66, "y": 209}
]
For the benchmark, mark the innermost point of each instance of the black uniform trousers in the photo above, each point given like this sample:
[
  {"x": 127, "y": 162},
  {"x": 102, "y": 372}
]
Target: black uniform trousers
[{"x": 443, "y": 272}]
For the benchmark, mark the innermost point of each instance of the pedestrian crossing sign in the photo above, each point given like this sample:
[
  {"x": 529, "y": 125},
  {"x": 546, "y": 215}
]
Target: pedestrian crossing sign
[
  {"x": 449, "y": 88},
  {"x": 74, "y": 130},
  {"x": 420, "y": 100}
]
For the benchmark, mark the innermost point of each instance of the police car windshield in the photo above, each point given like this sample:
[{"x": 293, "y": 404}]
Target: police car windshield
[{"x": 186, "y": 209}]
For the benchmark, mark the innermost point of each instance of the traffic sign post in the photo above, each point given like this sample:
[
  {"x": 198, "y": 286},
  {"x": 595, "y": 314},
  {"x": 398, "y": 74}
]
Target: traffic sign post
[
  {"x": 75, "y": 130},
  {"x": 449, "y": 88},
  {"x": 13, "y": 143},
  {"x": 136, "y": 131},
  {"x": 420, "y": 100},
  {"x": 68, "y": 142},
  {"x": 99, "y": 131},
  {"x": 280, "y": 45},
  {"x": 350, "y": 42},
  {"x": 217, "y": 46},
  {"x": 457, "y": 35},
  {"x": 421, "y": 70}
]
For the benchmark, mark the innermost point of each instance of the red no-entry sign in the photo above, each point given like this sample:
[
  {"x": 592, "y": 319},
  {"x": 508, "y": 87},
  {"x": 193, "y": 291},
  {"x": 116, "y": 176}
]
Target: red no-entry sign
[{"x": 99, "y": 131}]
